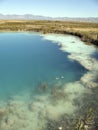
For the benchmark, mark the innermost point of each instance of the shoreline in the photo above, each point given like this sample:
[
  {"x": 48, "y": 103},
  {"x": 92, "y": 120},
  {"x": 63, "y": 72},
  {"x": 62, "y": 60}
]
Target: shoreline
[
  {"x": 83, "y": 38},
  {"x": 75, "y": 53},
  {"x": 87, "y": 32}
]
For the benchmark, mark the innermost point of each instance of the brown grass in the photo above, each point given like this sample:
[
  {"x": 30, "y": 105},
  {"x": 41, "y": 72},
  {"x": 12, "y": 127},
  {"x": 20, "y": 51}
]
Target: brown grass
[{"x": 88, "y": 32}]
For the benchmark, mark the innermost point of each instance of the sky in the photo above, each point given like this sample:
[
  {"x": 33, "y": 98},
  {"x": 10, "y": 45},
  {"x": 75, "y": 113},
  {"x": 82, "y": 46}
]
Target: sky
[{"x": 52, "y": 8}]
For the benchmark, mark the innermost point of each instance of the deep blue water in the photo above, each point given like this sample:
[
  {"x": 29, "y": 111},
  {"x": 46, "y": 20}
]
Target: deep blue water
[{"x": 27, "y": 60}]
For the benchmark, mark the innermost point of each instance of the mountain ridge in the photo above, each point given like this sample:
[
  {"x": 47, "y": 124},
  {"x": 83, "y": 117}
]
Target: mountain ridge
[{"x": 40, "y": 17}]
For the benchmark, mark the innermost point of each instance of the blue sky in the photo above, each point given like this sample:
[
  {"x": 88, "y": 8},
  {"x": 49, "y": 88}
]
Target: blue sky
[{"x": 53, "y": 8}]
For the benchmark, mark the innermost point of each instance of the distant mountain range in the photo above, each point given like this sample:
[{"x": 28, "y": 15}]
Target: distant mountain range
[{"x": 38, "y": 17}]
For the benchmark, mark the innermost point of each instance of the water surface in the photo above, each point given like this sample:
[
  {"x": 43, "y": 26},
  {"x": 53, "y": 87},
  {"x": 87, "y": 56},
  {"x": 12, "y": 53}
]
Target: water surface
[
  {"x": 47, "y": 82},
  {"x": 27, "y": 60}
]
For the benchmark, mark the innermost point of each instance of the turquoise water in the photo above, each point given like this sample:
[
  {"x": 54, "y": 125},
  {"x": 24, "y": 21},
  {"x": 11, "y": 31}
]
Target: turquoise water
[
  {"x": 47, "y": 82},
  {"x": 27, "y": 60}
]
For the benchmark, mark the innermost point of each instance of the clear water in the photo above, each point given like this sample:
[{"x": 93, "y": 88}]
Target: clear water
[
  {"x": 27, "y": 60},
  {"x": 44, "y": 86}
]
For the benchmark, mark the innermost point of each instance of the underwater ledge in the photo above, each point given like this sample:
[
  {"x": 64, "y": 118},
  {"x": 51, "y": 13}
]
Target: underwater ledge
[{"x": 79, "y": 52}]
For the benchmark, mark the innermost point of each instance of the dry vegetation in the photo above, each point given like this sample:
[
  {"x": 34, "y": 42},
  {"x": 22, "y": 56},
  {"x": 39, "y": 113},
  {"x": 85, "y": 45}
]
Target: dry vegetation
[{"x": 88, "y": 32}]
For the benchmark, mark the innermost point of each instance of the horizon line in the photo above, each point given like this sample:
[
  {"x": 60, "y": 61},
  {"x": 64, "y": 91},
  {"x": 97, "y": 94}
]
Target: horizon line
[{"x": 49, "y": 16}]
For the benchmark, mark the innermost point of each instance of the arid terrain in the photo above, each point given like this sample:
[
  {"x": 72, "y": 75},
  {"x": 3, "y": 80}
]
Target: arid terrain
[{"x": 88, "y": 32}]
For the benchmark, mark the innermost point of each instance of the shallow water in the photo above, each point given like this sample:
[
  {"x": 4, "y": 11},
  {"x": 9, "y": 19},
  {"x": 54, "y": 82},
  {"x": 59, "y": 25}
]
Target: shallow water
[{"x": 46, "y": 81}]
